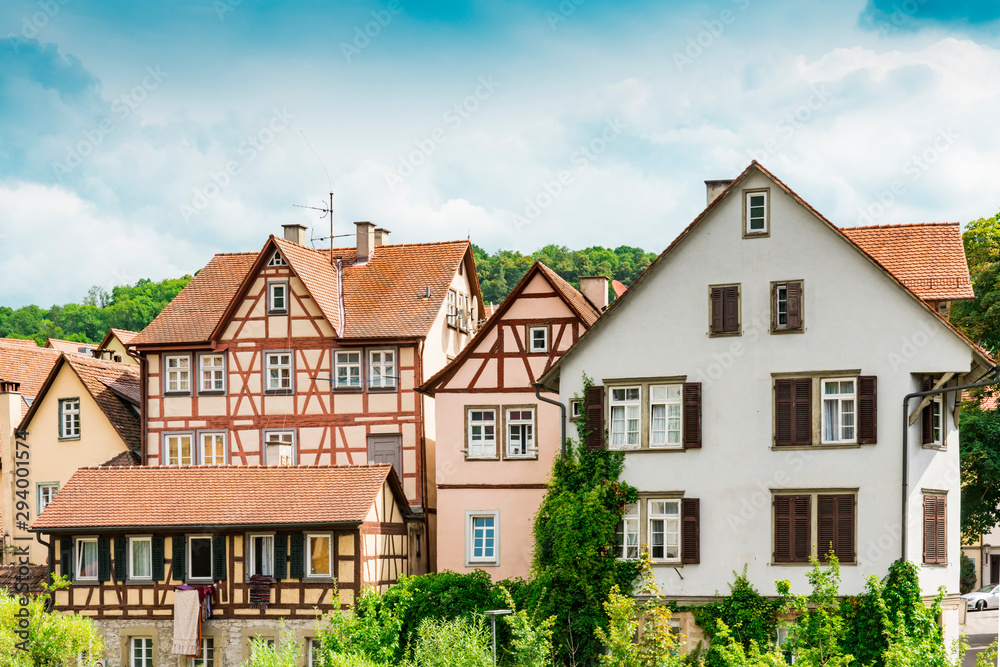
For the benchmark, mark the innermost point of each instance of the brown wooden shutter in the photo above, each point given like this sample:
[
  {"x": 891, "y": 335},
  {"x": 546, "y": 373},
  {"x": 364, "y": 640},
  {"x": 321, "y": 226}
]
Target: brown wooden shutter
[
  {"x": 782, "y": 529},
  {"x": 594, "y": 416},
  {"x": 793, "y": 412},
  {"x": 782, "y": 413},
  {"x": 716, "y": 306},
  {"x": 940, "y": 530},
  {"x": 731, "y": 309},
  {"x": 793, "y": 304},
  {"x": 801, "y": 524},
  {"x": 836, "y": 527},
  {"x": 867, "y": 410},
  {"x": 846, "y": 517},
  {"x": 792, "y": 534},
  {"x": 692, "y": 415},
  {"x": 826, "y": 526},
  {"x": 935, "y": 529},
  {"x": 690, "y": 531},
  {"x": 926, "y": 415}
]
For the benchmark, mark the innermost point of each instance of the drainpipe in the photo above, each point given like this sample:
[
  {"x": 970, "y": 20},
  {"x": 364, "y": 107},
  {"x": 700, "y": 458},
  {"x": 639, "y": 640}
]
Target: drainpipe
[
  {"x": 562, "y": 410},
  {"x": 906, "y": 434}
]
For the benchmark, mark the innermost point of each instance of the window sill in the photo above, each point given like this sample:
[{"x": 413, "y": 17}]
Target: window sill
[
  {"x": 778, "y": 332},
  {"x": 381, "y": 390},
  {"x": 725, "y": 334},
  {"x": 139, "y": 582},
  {"x": 213, "y": 392},
  {"x": 806, "y": 564},
  {"x": 758, "y": 234},
  {"x": 279, "y": 392},
  {"x": 935, "y": 564},
  {"x": 277, "y": 312},
  {"x": 176, "y": 394},
  {"x": 491, "y": 563},
  {"x": 482, "y": 458},
  {"x": 939, "y": 448},
  {"x": 70, "y": 438},
  {"x": 788, "y": 448},
  {"x": 318, "y": 579},
  {"x": 649, "y": 450},
  {"x": 87, "y": 582},
  {"x": 521, "y": 457},
  {"x": 199, "y": 582},
  {"x": 665, "y": 563},
  {"x": 348, "y": 390}
]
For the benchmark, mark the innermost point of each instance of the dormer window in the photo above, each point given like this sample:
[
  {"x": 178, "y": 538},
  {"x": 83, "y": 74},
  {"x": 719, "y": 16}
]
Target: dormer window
[
  {"x": 755, "y": 213},
  {"x": 277, "y": 260}
]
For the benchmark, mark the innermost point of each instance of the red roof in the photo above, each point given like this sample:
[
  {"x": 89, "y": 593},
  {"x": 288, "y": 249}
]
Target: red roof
[
  {"x": 71, "y": 346},
  {"x": 216, "y": 496},
  {"x": 18, "y": 341},
  {"x": 929, "y": 258},
  {"x": 28, "y": 365}
]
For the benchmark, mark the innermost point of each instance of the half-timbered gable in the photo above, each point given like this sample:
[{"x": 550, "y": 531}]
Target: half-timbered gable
[{"x": 496, "y": 440}]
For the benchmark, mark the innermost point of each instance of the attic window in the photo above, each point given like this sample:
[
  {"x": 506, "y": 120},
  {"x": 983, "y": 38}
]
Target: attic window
[
  {"x": 277, "y": 260},
  {"x": 755, "y": 213},
  {"x": 461, "y": 268}
]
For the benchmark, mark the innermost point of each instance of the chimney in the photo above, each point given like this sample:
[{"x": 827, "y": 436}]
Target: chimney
[
  {"x": 295, "y": 233},
  {"x": 381, "y": 236},
  {"x": 10, "y": 416},
  {"x": 595, "y": 288},
  {"x": 366, "y": 242},
  {"x": 715, "y": 188}
]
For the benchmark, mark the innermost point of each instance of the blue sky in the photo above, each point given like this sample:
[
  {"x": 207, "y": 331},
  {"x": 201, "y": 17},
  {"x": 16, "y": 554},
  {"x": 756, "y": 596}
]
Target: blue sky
[{"x": 136, "y": 139}]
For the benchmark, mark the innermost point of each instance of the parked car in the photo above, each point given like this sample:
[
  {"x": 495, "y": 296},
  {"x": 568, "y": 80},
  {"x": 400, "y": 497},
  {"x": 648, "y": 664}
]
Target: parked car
[{"x": 987, "y": 597}]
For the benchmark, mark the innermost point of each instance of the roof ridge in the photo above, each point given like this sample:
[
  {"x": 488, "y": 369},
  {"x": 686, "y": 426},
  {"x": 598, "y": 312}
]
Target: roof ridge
[{"x": 903, "y": 224}]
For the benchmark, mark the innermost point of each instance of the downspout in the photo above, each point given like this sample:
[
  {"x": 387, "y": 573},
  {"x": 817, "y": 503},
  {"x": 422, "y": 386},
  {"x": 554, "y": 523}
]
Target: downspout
[
  {"x": 562, "y": 410},
  {"x": 906, "y": 434}
]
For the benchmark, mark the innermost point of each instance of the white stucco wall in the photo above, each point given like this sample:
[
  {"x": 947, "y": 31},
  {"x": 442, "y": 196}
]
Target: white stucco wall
[{"x": 855, "y": 317}]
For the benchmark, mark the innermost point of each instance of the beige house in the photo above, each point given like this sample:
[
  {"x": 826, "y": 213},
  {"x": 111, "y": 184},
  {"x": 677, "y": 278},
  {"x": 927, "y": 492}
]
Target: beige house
[{"x": 116, "y": 345}]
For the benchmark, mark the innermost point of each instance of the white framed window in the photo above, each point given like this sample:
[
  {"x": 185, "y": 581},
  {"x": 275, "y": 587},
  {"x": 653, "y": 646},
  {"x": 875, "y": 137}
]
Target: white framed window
[
  {"x": 315, "y": 657},
  {"x": 140, "y": 651},
  {"x": 482, "y": 436},
  {"x": 279, "y": 448},
  {"x": 576, "y": 409},
  {"x": 319, "y": 554},
  {"x": 463, "y": 312},
  {"x": 381, "y": 369},
  {"x": 212, "y": 372},
  {"x": 212, "y": 448},
  {"x": 538, "y": 339},
  {"x": 206, "y": 656},
  {"x": 86, "y": 559},
  {"x": 277, "y": 297},
  {"x": 199, "y": 558},
  {"x": 140, "y": 557},
  {"x": 261, "y": 555},
  {"x": 937, "y": 416},
  {"x": 665, "y": 415},
  {"x": 276, "y": 260},
  {"x": 665, "y": 530},
  {"x": 278, "y": 371},
  {"x": 69, "y": 418},
  {"x": 178, "y": 374},
  {"x": 839, "y": 410},
  {"x": 625, "y": 417},
  {"x": 756, "y": 212},
  {"x": 46, "y": 494},
  {"x": 347, "y": 369},
  {"x": 781, "y": 306},
  {"x": 483, "y": 538},
  {"x": 178, "y": 449},
  {"x": 627, "y": 536},
  {"x": 520, "y": 432},
  {"x": 452, "y": 308}
]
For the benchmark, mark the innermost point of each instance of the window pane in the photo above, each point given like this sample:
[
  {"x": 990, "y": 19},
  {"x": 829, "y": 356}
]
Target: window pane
[
  {"x": 319, "y": 555},
  {"x": 87, "y": 559},
  {"x": 201, "y": 558},
  {"x": 141, "y": 559}
]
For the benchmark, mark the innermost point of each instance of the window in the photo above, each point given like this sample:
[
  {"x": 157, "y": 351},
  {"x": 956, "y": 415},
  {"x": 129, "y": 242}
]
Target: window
[
  {"x": 277, "y": 298},
  {"x": 278, "y": 371},
  {"x": 932, "y": 416},
  {"x": 86, "y": 559},
  {"x": 212, "y": 373},
  {"x": 141, "y": 652},
  {"x": 348, "y": 369},
  {"x": 665, "y": 530},
  {"x": 935, "y": 408},
  {"x": 627, "y": 536},
  {"x": 279, "y": 448},
  {"x": 786, "y": 306},
  {"x": 521, "y": 432},
  {"x": 755, "y": 213},
  {"x": 382, "y": 369},
  {"x": 199, "y": 557},
  {"x": 665, "y": 416},
  {"x": 178, "y": 374},
  {"x": 935, "y": 529},
  {"x": 277, "y": 260},
  {"x": 140, "y": 561},
  {"x": 795, "y": 524},
  {"x": 46, "y": 494},
  {"x": 725, "y": 309},
  {"x": 538, "y": 339},
  {"x": 315, "y": 658},
  {"x": 576, "y": 409},
  {"x": 452, "y": 308},
  {"x": 838, "y": 411},
  {"x": 463, "y": 313},
  {"x": 261, "y": 555},
  {"x": 212, "y": 448},
  {"x": 482, "y": 440},
  {"x": 178, "y": 449},
  {"x": 483, "y": 542},
  {"x": 318, "y": 555},
  {"x": 206, "y": 657},
  {"x": 625, "y": 417},
  {"x": 69, "y": 418}
]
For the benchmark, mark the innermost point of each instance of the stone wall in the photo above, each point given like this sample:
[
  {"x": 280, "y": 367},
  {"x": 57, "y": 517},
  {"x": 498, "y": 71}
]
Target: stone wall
[{"x": 231, "y": 636}]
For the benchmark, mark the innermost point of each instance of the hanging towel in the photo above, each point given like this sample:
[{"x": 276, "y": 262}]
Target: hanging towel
[{"x": 187, "y": 623}]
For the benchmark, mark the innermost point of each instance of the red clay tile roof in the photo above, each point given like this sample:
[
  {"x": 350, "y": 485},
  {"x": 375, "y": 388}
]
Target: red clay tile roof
[
  {"x": 193, "y": 314},
  {"x": 18, "y": 341},
  {"x": 619, "y": 287},
  {"x": 124, "y": 336},
  {"x": 69, "y": 346},
  {"x": 28, "y": 365},
  {"x": 10, "y": 579},
  {"x": 208, "y": 496},
  {"x": 385, "y": 298},
  {"x": 929, "y": 258},
  {"x": 577, "y": 302},
  {"x": 126, "y": 459}
]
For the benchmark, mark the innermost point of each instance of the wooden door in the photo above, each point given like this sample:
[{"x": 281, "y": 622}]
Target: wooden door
[
  {"x": 387, "y": 448},
  {"x": 994, "y": 569}
]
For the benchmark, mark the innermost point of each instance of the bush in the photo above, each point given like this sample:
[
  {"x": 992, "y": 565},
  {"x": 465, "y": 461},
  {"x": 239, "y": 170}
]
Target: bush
[
  {"x": 461, "y": 642},
  {"x": 967, "y": 580},
  {"x": 748, "y": 617},
  {"x": 263, "y": 654}
]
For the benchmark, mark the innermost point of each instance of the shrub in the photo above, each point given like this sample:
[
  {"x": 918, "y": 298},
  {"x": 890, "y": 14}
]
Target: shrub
[
  {"x": 461, "y": 642},
  {"x": 967, "y": 580},
  {"x": 263, "y": 654},
  {"x": 748, "y": 617}
]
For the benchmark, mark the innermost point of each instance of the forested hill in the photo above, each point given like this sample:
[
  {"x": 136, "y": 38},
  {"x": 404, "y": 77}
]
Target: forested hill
[{"x": 133, "y": 307}]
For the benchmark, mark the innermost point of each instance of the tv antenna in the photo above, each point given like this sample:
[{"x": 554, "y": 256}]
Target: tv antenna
[{"x": 325, "y": 212}]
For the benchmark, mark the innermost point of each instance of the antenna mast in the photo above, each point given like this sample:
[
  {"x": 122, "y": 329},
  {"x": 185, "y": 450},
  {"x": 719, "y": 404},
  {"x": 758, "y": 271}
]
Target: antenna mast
[{"x": 325, "y": 212}]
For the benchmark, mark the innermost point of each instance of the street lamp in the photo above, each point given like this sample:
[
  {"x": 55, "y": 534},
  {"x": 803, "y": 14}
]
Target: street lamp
[{"x": 493, "y": 613}]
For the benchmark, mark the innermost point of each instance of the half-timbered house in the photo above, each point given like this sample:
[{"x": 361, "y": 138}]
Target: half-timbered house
[
  {"x": 268, "y": 546},
  {"x": 496, "y": 440}
]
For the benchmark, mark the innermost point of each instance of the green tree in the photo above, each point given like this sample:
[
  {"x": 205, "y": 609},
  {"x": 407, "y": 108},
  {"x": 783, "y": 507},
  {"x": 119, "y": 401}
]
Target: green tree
[
  {"x": 980, "y": 319},
  {"x": 979, "y": 454}
]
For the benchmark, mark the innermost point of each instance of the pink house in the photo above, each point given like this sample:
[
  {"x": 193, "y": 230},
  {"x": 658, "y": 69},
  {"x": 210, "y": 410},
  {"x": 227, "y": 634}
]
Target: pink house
[{"x": 496, "y": 440}]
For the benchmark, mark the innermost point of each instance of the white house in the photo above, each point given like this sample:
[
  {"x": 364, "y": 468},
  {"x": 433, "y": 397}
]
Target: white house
[{"x": 755, "y": 377}]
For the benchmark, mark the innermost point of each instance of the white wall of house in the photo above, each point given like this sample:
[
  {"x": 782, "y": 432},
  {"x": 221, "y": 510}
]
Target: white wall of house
[{"x": 855, "y": 318}]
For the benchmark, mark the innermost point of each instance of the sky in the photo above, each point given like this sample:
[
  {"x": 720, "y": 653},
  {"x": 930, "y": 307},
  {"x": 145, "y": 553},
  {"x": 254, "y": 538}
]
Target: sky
[{"x": 138, "y": 139}]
